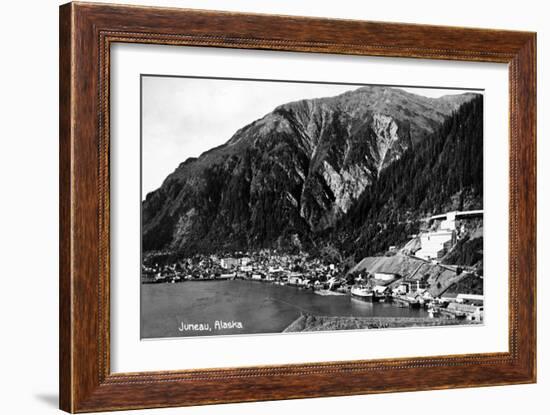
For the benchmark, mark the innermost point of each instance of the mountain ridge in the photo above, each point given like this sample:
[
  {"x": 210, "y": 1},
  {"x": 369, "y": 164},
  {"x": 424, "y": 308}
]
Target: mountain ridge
[{"x": 291, "y": 174}]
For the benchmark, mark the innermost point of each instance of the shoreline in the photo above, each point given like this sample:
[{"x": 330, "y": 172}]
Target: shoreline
[{"x": 308, "y": 322}]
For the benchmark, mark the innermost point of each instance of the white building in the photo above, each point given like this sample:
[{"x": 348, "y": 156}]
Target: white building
[
  {"x": 449, "y": 223},
  {"x": 414, "y": 286},
  {"x": 401, "y": 289},
  {"x": 385, "y": 276},
  {"x": 227, "y": 263},
  {"x": 469, "y": 297},
  {"x": 435, "y": 244},
  {"x": 295, "y": 280}
]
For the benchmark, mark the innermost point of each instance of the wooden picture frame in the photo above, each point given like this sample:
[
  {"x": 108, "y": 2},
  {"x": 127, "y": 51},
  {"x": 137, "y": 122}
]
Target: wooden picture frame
[{"x": 86, "y": 33}]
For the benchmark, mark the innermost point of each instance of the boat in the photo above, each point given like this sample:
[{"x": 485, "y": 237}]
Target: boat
[
  {"x": 364, "y": 293},
  {"x": 433, "y": 311}
]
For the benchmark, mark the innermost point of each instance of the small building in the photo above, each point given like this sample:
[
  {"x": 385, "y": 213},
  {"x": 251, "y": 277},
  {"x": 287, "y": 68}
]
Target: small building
[
  {"x": 472, "y": 312},
  {"x": 401, "y": 289},
  {"x": 449, "y": 223},
  {"x": 228, "y": 263},
  {"x": 469, "y": 297},
  {"x": 385, "y": 276},
  {"x": 428, "y": 297},
  {"x": 295, "y": 279},
  {"x": 448, "y": 297},
  {"x": 412, "y": 286}
]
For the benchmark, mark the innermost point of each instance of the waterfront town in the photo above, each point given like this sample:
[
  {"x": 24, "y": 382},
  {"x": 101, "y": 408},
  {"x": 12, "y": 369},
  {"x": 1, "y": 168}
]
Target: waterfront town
[{"x": 416, "y": 275}]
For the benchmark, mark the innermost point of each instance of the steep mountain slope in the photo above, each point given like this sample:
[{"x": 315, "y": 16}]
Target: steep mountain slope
[
  {"x": 292, "y": 174},
  {"x": 443, "y": 173}
]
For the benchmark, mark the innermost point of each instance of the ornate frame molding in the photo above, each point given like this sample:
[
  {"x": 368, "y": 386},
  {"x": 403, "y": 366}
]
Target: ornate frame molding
[{"x": 86, "y": 33}]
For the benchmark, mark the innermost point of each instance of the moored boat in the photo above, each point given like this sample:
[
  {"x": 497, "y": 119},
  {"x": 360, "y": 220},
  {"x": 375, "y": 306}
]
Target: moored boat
[{"x": 364, "y": 293}]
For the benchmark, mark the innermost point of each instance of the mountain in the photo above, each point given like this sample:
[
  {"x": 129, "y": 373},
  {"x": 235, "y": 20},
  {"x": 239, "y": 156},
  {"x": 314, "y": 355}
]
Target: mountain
[
  {"x": 294, "y": 175},
  {"x": 443, "y": 173}
]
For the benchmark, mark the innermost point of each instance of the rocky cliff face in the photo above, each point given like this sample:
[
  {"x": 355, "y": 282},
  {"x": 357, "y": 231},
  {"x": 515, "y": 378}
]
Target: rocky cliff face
[{"x": 291, "y": 174}]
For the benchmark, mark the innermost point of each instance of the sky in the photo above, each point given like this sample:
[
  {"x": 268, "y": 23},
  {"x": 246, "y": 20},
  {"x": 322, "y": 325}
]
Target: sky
[{"x": 183, "y": 117}]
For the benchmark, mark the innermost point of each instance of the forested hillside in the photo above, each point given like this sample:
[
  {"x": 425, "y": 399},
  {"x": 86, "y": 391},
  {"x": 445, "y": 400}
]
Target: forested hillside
[
  {"x": 442, "y": 173},
  {"x": 353, "y": 173}
]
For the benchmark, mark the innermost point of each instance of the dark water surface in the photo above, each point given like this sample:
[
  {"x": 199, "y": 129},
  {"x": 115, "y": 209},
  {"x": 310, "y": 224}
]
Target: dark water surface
[{"x": 259, "y": 307}]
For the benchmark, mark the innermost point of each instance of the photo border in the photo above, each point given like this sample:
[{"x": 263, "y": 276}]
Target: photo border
[{"x": 290, "y": 81}]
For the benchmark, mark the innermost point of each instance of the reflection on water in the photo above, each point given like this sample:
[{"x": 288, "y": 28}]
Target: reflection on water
[{"x": 259, "y": 307}]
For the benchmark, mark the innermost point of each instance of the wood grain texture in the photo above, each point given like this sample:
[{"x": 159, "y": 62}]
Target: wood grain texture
[
  {"x": 65, "y": 247},
  {"x": 86, "y": 33}
]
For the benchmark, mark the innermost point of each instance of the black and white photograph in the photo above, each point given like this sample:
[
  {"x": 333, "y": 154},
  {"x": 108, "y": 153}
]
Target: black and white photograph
[
  {"x": 275, "y": 207},
  {"x": 271, "y": 206}
]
